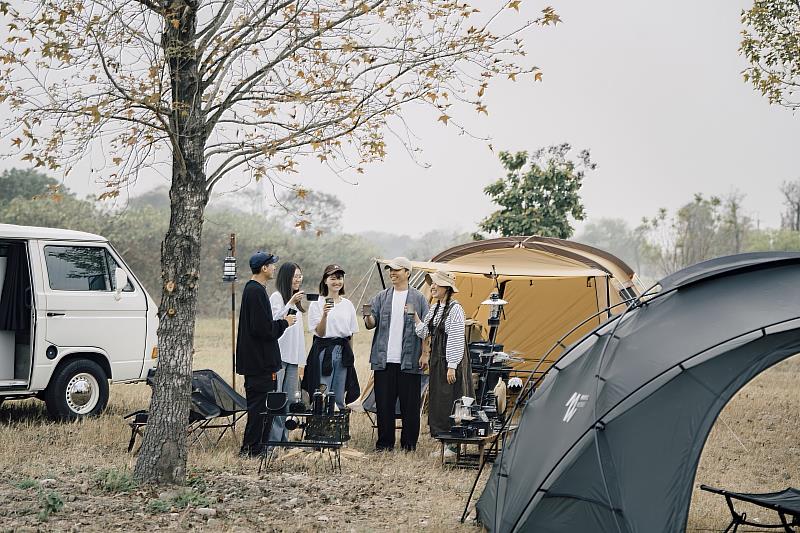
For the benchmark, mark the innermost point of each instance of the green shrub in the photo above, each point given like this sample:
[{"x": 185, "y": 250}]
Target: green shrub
[
  {"x": 191, "y": 498},
  {"x": 51, "y": 503},
  {"x": 26, "y": 484},
  {"x": 114, "y": 481},
  {"x": 158, "y": 506}
]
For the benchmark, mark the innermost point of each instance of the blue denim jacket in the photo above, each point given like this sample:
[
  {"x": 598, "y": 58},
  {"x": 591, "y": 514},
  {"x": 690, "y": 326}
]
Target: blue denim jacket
[{"x": 412, "y": 344}]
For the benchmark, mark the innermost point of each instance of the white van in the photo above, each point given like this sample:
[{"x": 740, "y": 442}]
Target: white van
[{"x": 72, "y": 317}]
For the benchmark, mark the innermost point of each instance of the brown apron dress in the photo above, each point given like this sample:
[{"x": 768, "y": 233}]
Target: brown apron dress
[{"x": 441, "y": 394}]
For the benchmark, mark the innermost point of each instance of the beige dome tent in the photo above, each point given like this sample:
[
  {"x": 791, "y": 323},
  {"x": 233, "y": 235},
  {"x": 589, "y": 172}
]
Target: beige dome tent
[{"x": 551, "y": 286}]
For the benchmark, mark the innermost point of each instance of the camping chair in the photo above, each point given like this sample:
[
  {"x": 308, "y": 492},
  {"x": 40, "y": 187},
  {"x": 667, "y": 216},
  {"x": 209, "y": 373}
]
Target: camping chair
[
  {"x": 786, "y": 503},
  {"x": 232, "y": 406},
  {"x": 367, "y": 403},
  {"x": 214, "y": 405}
]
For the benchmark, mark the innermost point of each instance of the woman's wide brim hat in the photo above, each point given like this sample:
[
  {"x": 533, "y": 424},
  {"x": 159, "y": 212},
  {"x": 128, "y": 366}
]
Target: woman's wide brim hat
[{"x": 443, "y": 279}]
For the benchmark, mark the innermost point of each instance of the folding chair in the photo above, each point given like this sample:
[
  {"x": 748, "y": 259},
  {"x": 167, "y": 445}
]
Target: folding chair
[
  {"x": 215, "y": 405},
  {"x": 786, "y": 503},
  {"x": 201, "y": 413},
  {"x": 232, "y": 406}
]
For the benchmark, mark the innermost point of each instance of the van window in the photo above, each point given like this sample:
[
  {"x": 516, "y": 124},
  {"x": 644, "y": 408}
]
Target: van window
[{"x": 80, "y": 268}]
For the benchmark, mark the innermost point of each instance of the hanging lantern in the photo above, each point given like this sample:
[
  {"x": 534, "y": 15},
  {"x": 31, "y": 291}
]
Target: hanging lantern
[
  {"x": 229, "y": 269},
  {"x": 496, "y": 304}
]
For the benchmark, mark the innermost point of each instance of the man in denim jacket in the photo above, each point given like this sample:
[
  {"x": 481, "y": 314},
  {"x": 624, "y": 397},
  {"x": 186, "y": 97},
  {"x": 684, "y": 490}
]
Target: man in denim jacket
[{"x": 395, "y": 355}]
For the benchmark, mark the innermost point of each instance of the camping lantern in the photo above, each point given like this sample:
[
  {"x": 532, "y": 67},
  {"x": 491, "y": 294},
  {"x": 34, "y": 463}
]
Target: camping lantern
[
  {"x": 496, "y": 308},
  {"x": 229, "y": 269}
]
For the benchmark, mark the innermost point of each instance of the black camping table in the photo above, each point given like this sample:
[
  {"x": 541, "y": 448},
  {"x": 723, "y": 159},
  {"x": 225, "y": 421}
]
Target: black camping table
[
  {"x": 786, "y": 503},
  {"x": 486, "y": 452},
  {"x": 319, "y": 432}
]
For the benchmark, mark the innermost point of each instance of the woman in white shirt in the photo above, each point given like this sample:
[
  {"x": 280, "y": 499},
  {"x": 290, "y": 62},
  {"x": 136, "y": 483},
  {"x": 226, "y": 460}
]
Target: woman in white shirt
[
  {"x": 450, "y": 371},
  {"x": 332, "y": 320},
  {"x": 287, "y": 299}
]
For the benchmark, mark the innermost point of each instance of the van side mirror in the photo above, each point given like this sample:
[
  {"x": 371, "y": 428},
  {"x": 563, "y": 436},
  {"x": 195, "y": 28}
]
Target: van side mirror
[{"x": 121, "y": 280}]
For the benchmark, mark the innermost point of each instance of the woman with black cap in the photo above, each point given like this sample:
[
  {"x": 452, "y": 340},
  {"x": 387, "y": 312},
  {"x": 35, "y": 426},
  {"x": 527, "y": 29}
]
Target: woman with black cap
[
  {"x": 450, "y": 372},
  {"x": 332, "y": 320}
]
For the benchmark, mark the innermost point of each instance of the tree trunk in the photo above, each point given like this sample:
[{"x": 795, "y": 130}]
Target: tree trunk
[{"x": 162, "y": 458}]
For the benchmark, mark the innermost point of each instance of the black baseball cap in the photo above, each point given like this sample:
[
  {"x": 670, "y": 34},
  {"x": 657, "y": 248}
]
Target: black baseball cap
[{"x": 259, "y": 259}]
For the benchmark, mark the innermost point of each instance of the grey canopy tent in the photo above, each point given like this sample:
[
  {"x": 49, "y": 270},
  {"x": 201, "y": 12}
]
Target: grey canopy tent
[{"x": 610, "y": 437}]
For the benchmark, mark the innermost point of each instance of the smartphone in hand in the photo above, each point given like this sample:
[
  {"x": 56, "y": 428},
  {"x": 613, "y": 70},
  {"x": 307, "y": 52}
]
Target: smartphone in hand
[{"x": 312, "y": 297}]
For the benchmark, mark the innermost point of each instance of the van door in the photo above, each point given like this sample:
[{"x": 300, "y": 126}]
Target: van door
[{"x": 84, "y": 311}]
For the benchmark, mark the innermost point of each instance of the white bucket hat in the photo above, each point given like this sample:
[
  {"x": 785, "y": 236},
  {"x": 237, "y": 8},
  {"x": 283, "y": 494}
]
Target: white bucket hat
[{"x": 443, "y": 279}]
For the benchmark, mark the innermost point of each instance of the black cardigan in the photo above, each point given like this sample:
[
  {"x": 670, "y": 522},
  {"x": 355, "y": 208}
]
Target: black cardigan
[
  {"x": 311, "y": 378},
  {"x": 257, "y": 350}
]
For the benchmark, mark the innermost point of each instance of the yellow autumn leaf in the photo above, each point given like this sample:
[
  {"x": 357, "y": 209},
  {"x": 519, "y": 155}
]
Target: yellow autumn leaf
[
  {"x": 175, "y": 23},
  {"x": 117, "y": 160},
  {"x": 17, "y": 142},
  {"x": 537, "y": 76},
  {"x": 514, "y": 4},
  {"x": 95, "y": 112},
  {"x": 444, "y": 118}
]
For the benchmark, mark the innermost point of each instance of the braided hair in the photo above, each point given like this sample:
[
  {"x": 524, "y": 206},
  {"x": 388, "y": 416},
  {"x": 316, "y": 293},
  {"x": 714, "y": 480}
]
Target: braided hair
[{"x": 438, "y": 304}]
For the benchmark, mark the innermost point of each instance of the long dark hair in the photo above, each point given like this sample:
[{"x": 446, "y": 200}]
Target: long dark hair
[{"x": 284, "y": 280}]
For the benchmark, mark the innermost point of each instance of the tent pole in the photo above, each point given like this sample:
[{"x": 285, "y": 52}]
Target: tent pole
[
  {"x": 232, "y": 248},
  {"x": 380, "y": 273}
]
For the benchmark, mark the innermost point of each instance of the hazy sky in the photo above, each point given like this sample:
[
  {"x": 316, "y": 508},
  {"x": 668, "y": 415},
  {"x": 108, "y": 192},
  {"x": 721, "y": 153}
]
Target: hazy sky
[{"x": 654, "y": 90}]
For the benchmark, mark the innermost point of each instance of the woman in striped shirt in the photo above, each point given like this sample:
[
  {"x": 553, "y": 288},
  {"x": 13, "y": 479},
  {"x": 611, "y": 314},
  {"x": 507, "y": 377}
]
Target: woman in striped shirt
[{"x": 450, "y": 372}]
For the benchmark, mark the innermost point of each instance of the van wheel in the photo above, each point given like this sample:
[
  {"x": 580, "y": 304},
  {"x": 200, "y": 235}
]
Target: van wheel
[{"x": 79, "y": 389}]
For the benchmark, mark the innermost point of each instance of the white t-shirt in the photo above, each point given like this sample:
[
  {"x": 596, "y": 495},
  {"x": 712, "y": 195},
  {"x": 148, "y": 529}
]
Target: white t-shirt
[
  {"x": 293, "y": 340},
  {"x": 341, "y": 319},
  {"x": 394, "y": 348}
]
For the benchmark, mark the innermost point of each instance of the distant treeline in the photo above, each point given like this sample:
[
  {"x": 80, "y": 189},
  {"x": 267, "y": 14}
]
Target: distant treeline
[
  {"x": 704, "y": 228},
  {"x": 32, "y": 198}
]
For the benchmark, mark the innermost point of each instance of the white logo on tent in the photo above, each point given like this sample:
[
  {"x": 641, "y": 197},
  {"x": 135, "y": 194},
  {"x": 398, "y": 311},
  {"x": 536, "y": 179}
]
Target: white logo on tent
[{"x": 575, "y": 402}]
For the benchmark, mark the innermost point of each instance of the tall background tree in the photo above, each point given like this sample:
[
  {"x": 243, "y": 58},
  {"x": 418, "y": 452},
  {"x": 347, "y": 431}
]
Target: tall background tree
[
  {"x": 771, "y": 44},
  {"x": 317, "y": 211},
  {"x": 208, "y": 88},
  {"x": 790, "y": 218},
  {"x": 539, "y": 199},
  {"x": 27, "y": 183}
]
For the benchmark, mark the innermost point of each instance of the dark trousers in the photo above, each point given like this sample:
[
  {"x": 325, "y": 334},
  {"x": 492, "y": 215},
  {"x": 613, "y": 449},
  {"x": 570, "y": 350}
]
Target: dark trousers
[
  {"x": 392, "y": 385},
  {"x": 256, "y": 388}
]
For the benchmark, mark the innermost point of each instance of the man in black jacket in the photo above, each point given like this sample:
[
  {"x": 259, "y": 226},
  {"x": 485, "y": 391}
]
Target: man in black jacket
[{"x": 258, "y": 356}]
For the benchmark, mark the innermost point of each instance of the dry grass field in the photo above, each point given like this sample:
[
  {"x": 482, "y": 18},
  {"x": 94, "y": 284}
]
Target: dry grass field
[{"x": 76, "y": 477}]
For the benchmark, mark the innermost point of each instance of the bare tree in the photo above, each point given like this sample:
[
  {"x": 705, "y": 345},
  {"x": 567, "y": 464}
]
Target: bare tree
[
  {"x": 207, "y": 88},
  {"x": 790, "y": 219},
  {"x": 684, "y": 239},
  {"x": 734, "y": 226}
]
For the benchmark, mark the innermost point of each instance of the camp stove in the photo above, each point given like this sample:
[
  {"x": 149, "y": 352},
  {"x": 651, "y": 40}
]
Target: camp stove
[{"x": 470, "y": 420}]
